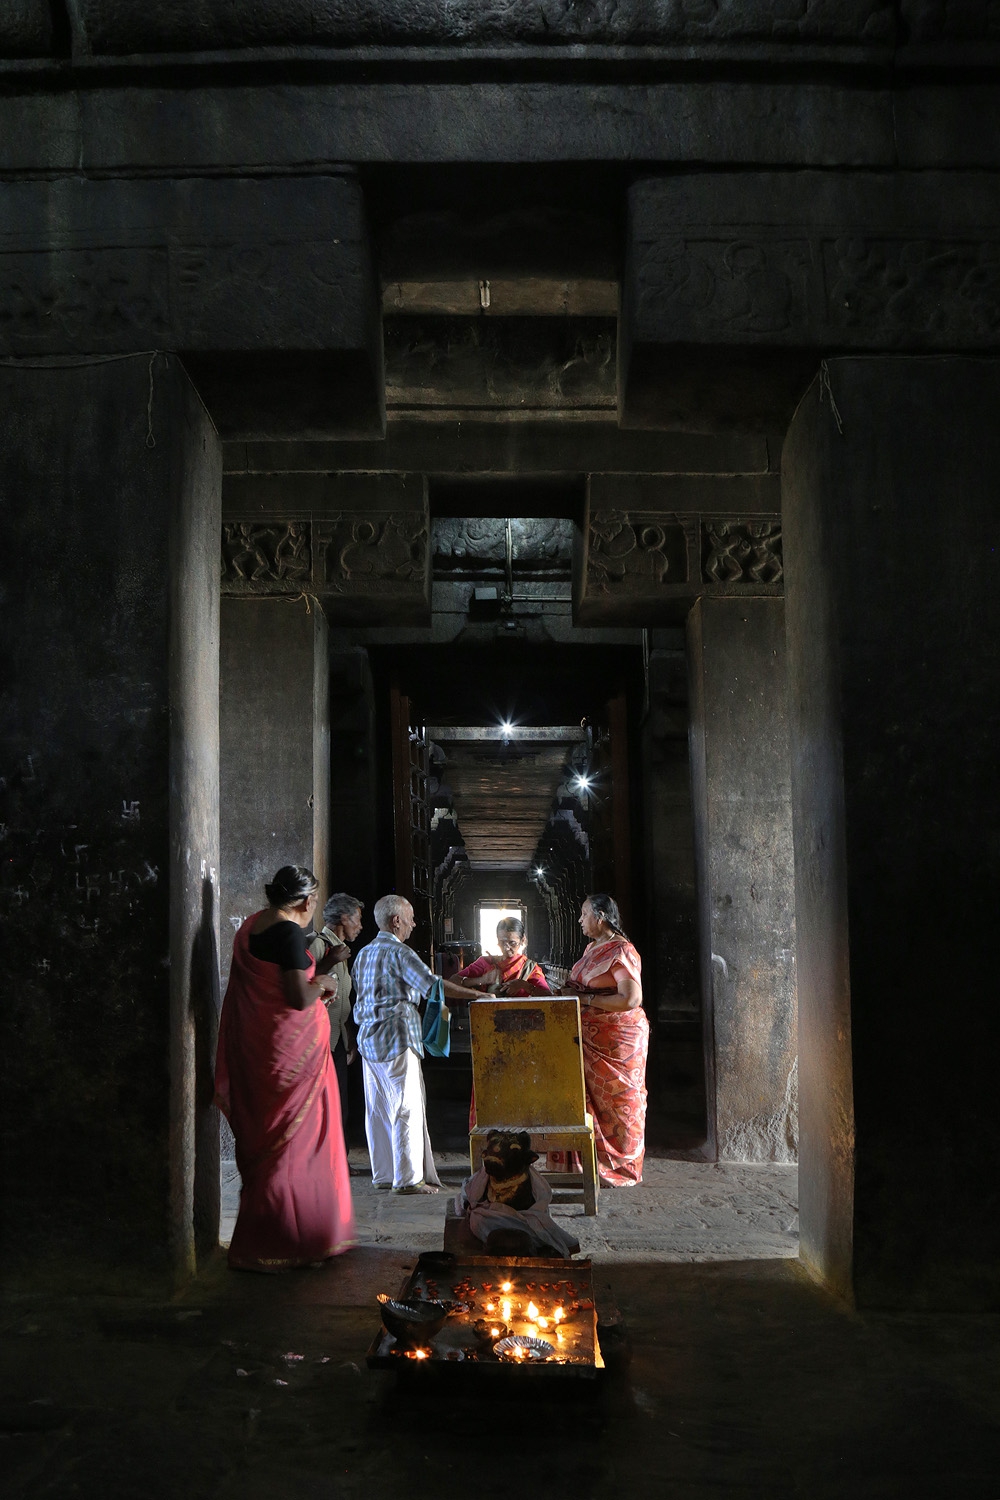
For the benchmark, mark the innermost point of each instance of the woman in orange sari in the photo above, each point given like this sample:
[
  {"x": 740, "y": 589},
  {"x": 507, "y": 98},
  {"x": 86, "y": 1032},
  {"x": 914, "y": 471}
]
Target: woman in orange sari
[
  {"x": 275, "y": 1082},
  {"x": 608, "y": 980}
]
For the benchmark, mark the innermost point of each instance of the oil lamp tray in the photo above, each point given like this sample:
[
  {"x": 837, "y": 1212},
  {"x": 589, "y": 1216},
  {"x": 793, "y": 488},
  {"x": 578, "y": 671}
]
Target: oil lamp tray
[{"x": 534, "y": 1300}]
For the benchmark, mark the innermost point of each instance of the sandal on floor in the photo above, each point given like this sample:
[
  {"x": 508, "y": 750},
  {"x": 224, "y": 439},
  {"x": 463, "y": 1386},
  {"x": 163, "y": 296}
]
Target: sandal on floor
[{"x": 417, "y": 1187}]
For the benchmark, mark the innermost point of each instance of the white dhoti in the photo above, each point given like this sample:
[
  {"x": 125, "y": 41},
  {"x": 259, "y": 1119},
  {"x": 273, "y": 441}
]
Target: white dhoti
[{"x": 399, "y": 1142}]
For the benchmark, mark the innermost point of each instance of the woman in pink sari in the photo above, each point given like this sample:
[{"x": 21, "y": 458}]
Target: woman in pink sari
[
  {"x": 608, "y": 980},
  {"x": 275, "y": 1082}
]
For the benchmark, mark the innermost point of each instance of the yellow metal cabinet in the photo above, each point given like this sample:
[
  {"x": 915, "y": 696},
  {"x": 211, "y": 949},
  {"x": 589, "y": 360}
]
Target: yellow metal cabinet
[{"x": 527, "y": 1073}]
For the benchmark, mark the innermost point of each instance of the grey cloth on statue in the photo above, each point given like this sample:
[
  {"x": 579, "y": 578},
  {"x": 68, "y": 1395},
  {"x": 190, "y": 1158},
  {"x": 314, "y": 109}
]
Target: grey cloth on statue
[{"x": 548, "y": 1237}]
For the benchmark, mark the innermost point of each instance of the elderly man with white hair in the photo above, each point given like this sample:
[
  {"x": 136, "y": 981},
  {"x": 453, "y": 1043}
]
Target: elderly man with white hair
[{"x": 390, "y": 981}]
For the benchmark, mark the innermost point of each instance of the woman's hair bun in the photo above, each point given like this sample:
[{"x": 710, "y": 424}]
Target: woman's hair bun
[{"x": 293, "y": 883}]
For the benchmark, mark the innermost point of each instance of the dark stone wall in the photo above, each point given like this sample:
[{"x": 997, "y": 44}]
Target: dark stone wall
[
  {"x": 893, "y": 617},
  {"x": 105, "y": 517}
]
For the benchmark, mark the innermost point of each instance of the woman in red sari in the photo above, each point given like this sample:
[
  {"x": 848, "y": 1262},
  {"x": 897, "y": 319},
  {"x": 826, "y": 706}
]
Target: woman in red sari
[
  {"x": 608, "y": 980},
  {"x": 275, "y": 1082}
]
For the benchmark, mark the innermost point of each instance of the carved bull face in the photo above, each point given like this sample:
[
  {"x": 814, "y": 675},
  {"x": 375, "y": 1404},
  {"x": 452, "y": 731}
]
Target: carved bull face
[{"x": 508, "y": 1154}]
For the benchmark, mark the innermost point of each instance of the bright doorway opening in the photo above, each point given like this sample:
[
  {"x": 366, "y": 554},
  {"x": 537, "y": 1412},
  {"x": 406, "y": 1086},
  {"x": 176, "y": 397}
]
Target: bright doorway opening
[{"x": 489, "y": 916}]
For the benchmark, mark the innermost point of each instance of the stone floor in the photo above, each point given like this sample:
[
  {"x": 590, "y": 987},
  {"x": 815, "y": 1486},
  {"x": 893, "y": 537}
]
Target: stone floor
[
  {"x": 682, "y": 1211},
  {"x": 746, "y": 1381}
]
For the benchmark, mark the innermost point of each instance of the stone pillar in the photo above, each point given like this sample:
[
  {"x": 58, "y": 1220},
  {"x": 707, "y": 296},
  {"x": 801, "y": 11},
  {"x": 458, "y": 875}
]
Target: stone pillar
[
  {"x": 110, "y": 477},
  {"x": 743, "y": 840},
  {"x": 890, "y": 504},
  {"x": 275, "y": 749}
]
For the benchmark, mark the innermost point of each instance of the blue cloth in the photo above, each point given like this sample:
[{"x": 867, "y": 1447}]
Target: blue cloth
[
  {"x": 437, "y": 1022},
  {"x": 390, "y": 980}
]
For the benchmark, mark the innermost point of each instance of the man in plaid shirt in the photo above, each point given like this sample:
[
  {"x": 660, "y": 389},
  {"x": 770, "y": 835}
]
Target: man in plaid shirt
[{"x": 390, "y": 981}]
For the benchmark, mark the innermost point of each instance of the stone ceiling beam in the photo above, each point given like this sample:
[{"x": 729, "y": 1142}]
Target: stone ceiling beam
[
  {"x": 505, "y": 446},
  {"x": 266, "y": 288},
  {"x": 737, "y": 285}
]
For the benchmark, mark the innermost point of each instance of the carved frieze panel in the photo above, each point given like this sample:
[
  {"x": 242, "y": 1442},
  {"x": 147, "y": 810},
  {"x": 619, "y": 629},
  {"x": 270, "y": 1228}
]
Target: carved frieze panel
[
  {"x": 361, "y": 565},
  {"x": 476, "y": 547},
  {"x": 648, "y": 568},
  {"x": 98, "y": 299},
  {"x": 633, "y": 555},
  {"x": 734, "y": 551},
  {"x": 549, "y": 363},
  {"x": 107, "y": 26},
  {"x": 835, "y": 260},
  {"x": 373, "y": 555}
]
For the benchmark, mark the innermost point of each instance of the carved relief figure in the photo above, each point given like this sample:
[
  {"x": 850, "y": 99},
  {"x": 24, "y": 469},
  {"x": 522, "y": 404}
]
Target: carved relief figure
[
  {"x": 392, "y": 548},
  {"x": 243, "y": 558},
  {"x": 741, "y": 552},
  {"x": 898, "y": 287},
  {"x": 743, "y": 286},
  {"x": 476, "y": 546},
  {"x": 630, "y": 554},
  {"x": 264, "y": 555},
  {"x": 291, "y": 555}
]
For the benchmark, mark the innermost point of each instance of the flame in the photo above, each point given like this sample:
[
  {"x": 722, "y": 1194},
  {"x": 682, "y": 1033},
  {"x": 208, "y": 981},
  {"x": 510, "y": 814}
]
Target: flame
[
  {"x": 505, "y": 1286},
  {"x": 532, "y": 1311},
  {"x": 505, "y": 1310},
  {"x": 543, "y": 1322},
  {"x": 558, "y": 1315},
  {"x": 491, "y": 1307},
  {"x": 494, "y": 1333},
  {"x": 420, "y": 1354}
]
